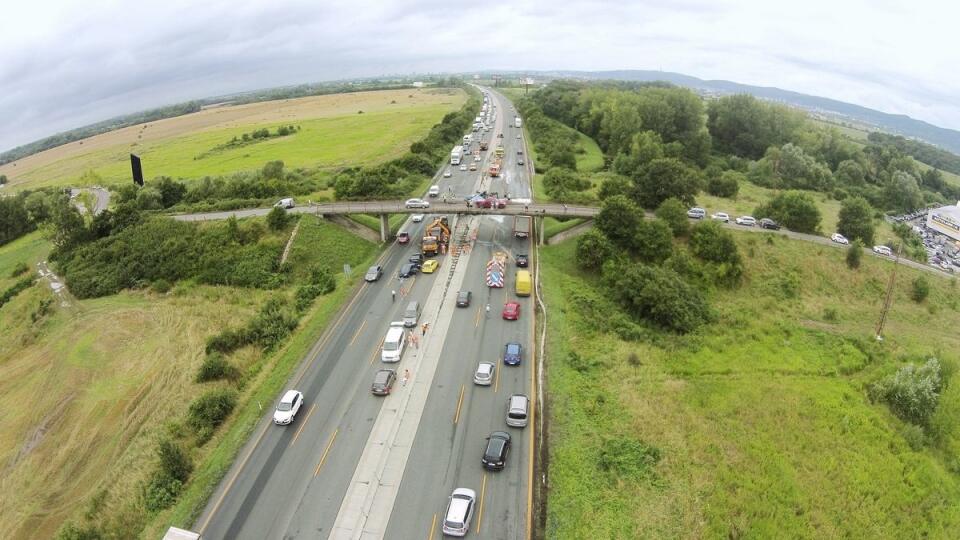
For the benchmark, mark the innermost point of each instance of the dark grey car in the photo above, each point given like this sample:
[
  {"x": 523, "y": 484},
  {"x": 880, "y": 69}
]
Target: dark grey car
[
  {"x": 495, "y": 454},
  {"x": 408, "y": 270},
  {"x": 463, "y": 298},
  {"x": 383, "y": 382},
  {"x": 374, "y": 273}
]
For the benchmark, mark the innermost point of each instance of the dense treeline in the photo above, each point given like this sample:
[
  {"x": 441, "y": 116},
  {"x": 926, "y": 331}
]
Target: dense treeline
[
  {"x": 397, "y": 178},
  {"x": 921, "y": 151},
  {"x": 27, "y": 210},
  {"x": 667, "y": 144}
]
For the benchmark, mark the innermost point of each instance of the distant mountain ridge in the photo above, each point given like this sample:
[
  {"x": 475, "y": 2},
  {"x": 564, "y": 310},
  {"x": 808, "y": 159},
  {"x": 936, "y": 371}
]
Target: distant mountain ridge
[{"x": 899, "y": 124}]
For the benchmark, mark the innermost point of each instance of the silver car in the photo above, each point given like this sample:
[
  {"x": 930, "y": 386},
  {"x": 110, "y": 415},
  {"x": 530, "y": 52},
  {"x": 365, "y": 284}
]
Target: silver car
[
  {"x": 417, "y": 203},
  {"x": 484, "y": 374},
  {"x": 373, "y": 273}
]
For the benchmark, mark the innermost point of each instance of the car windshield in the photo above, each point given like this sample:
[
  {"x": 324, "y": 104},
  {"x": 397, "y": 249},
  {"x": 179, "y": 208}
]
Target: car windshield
[
  {"x": 513, "y": 348},
  {"x": 452, "y": 524},
  {"x": 382, "y": 377},
  {"x": 285, "y": 406}
]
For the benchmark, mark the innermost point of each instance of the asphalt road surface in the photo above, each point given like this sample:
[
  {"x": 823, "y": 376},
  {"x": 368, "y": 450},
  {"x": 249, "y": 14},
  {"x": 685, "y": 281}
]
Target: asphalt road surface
[
  {"x": 101, "y": 198},
  {"x": 293, "y": 481}
]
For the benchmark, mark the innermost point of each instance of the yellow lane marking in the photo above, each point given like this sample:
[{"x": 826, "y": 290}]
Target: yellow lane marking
[
  {"x": 364, "y": 323},
  {"x": 377, "y": 349},
  {"x": 325, "y": 452},
  {"x": 303, "y": 424},
  {"x": 456, "y": 417},
  {"x": 476, "y": 320},
  {"x": 483, "y": 489},
  {"x": 496, "y": 384},
  {"x": 433, "y": 527}
]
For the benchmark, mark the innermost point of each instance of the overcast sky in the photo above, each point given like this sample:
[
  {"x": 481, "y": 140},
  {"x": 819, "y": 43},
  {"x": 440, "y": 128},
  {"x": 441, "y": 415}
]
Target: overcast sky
[{"x": 67, "y": 63}]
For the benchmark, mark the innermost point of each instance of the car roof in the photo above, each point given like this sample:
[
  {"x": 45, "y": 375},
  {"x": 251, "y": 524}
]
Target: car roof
[
  {"x": 485, "y": 367},
  {"x": 500, "y": 435},
  {"x": 382, "y": 375},
  {"x": 513, "y": 346},
  {"x": 288, "y": 397}
]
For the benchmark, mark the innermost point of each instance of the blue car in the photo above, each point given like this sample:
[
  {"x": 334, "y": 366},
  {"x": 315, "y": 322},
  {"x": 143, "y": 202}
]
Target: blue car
[{"x": 513, "y": 354}]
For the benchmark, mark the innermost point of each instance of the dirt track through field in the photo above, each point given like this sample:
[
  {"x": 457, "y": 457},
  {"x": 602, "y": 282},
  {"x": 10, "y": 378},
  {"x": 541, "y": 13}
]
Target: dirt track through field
[{"x": 226, "y": 116}]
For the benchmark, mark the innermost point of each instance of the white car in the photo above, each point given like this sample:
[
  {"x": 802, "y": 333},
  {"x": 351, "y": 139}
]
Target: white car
[
  {"x": 749, "y": 221},
  {"x": 720, "y": 216},
  {"x": 484, "y": 374},
  {"x": 416, "y": 218},
  {"x": 882, "y": 250},
  {"x": 477, "y": 158},
  {"x": 463, "y": 167},
  {"x": 417, "y": 203},
  {"x": 696, "y": 213},
  {"x": 287, "y": 408},
  {"x": 839, "y": 238},
  {"x": 447, "y": 173},
  {"x": 456, "y": 522}
]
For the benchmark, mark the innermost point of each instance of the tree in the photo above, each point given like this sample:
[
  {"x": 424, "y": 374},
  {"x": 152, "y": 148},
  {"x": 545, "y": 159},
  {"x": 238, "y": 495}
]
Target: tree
[
  {"x": 654, "y": 241},
  {"x": 3, "y": 179},
  {"x": 674, "y": 213},
  {"x": 67, "y": 228},
  {"x": 645, "y": 147},
  {"x": 856, "y": 220},
  {"x": 794, "y": 210},
  {"x": 559, "y": 183},
  {"x": 273, "y": 169},
  {"x": 715, "y": 245},
  {"x": 593, "y": 249},
  {"x": 850, "y": 174},
  {"x": 743, "y": 125},
  {"x": 664, "y": 178},
  {"x": 614, "y": 184},
  {"x": 912, "y": 392},
  {"x": 726, "y": 185},
  {"x": 171, "y": 191},
  {"x": 902, "y": 192},
  {"x": 277, "y": 219},
  {"x": 39, "y": 207},
  {"x": 619, "y": 220},
  {"x": 854, "y": 255}
]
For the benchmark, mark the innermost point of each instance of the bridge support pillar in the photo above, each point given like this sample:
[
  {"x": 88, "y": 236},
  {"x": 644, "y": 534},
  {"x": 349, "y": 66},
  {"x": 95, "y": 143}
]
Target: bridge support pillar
[
  {"x": 538, "y": 223},
  {"x": 384, "y": 227}
]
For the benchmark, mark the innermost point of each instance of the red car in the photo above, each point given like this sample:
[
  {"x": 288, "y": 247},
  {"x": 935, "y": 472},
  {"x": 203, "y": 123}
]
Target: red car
[
  {"x": 491, "y": 202},
  {"x": 403, "y": 238},
  {"x": 511, "y": 311}
]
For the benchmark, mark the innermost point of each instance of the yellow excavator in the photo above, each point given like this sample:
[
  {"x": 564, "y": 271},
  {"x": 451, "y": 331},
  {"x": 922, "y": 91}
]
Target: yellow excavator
[{"x": 435, "y": 234}]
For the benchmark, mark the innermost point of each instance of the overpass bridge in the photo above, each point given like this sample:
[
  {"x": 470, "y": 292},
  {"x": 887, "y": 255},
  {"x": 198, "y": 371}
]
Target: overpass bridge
[{"x": 384, "y": 209}]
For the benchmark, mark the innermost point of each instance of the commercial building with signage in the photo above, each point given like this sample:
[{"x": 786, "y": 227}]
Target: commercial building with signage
[{"x": 945, "y": 220}]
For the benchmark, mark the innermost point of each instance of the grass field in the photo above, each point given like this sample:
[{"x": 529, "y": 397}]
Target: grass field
[
  {"x": 751, "y": 196},
  {"x": 756, "y": 426},
  {"x": 333, "y": 134},
  {"x": 89, "y": 390},
  {"x": 29, "y": 249}
]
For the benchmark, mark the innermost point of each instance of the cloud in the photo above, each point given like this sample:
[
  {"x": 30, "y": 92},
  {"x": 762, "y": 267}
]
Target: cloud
[{"x": 64, "y": 64}]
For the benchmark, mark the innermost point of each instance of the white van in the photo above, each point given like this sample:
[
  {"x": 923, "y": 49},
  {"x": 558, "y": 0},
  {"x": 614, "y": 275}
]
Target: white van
[
  {"x": 284, "y": 203},
  {"x": 394, "y": 343},
  {"x": 434, "y": 191}
]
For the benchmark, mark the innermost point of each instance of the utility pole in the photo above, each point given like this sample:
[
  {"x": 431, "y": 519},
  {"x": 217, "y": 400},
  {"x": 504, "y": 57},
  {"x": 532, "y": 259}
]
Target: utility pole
[{"x": 889, "y": 297}]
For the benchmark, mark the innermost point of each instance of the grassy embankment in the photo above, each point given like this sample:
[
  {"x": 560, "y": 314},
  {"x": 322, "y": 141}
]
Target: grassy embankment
[
  {"x": 330, "y": 137},
  {"x": 92, "y": 387},
  {"x": 760, "y": 419}
]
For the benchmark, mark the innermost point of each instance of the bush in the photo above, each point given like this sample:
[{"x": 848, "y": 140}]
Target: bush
[
  {"x": 674, "y": 213},
  {"x": 72, "y": 531},
  {"x": 726, "y": 185},
  {"x": 215, "y": 367},
  {"x": 654, "y": 241},
  {"x": 211, "y": 409},
  {"x": 19, "y": 269},
  {"x": 593, "y": 249},
  {"x": 912, "y": 393},
  {"x": 15, "y": 289},
  {"x": 657, "y": 295},
  {"x": 855, "y": 220},
  {"x": 161, "y": 286},
  {"x": 160, "y": 492},
  {"x": 712, "y": 243},
  {"x": 174, "y": 461},
  {"x": 794, "y": 210},
  {"x": 277, "y": 219},
  {"x": 627, "y": 457},
  {"x": 321, "y": 282},
  {"x": 920, "y": 289},
  {"x": 854, "y": 255}
]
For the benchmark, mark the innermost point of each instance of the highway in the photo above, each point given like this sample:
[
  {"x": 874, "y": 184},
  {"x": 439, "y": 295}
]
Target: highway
[{"x": 355, "y": 465}]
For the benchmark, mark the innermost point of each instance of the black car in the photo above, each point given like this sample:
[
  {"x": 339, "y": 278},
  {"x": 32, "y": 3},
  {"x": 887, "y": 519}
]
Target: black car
[
  {"x": 417, "y": 258},
  {"x": 498, "y": 447},
  {"x": 408, "y": 270},
  {"x": 522, "y": 260},
  {"x": 767, "y": 223},
  {"x": 463, "y": 298},
  {"x": 383, "y": 382}
]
